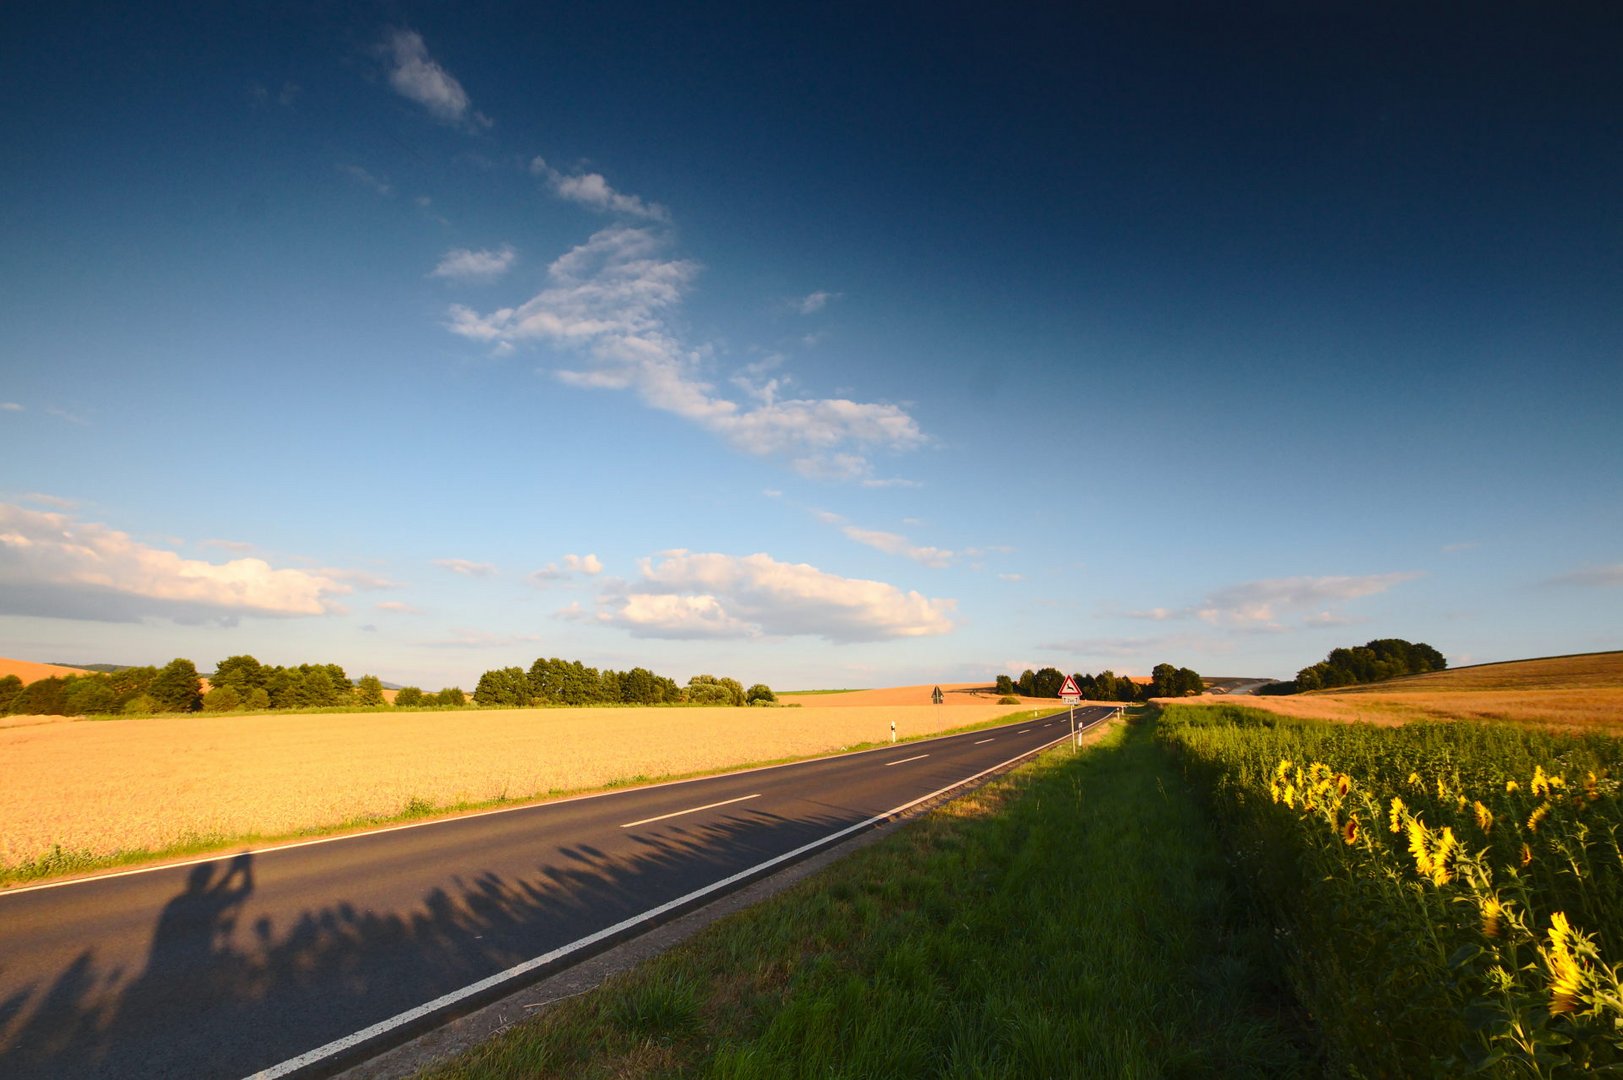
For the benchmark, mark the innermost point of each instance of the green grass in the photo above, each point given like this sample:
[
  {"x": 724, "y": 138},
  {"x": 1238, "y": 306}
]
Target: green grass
[
  {"x": 1074, "y": 918},
  {"x": 59, "y": 862}
]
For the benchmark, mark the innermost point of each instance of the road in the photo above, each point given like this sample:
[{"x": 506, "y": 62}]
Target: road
[{"x": 303, "y": 958}]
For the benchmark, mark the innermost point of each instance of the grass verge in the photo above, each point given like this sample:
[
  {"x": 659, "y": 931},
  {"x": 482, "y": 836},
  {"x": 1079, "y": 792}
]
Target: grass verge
[
  {"x": 60, "y": 862},
  {"x": 1074, "y": 918}
]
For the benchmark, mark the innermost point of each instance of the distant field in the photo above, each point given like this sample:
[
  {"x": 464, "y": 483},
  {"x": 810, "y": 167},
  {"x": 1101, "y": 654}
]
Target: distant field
[
  {"x": 977, "y": 694},
  {"x": 99, "y": 787},
  {"x": 29, "y": 671},
  {"x": 1578, "y": 692}
]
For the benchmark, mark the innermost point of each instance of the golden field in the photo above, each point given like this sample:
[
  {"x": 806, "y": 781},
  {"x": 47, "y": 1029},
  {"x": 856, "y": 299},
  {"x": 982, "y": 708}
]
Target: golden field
[
  {"x": 105, "y": 786},
  {"x": 1578, "y": 692}
]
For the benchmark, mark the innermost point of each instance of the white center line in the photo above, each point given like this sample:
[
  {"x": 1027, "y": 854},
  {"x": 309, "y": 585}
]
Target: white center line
[
  {"x": 905, "y": 760},
  {"x": 692, "y": 810},
  {"x": 980, "y": 741},
  {"x": 1022, "y": 731}
]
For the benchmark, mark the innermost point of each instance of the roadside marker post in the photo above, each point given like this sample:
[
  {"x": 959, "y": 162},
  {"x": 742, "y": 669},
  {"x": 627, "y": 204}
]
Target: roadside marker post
[
  {"x": 1070, "y": 693},
  {"x": 893, "y": 731}
]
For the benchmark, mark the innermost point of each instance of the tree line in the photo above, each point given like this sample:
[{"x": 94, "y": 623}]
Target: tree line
[
  {"x": 553, "y": 681},
  {"x": 1374, "y": 661},
  {"x": 1165, "y": 681}
]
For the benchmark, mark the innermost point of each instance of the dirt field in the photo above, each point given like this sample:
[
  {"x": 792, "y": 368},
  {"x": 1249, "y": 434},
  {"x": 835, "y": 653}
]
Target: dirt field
[
  {"x": 1584, "y": 692},
  {"x": 28, "y": 671},
  {"x": 101, "y": 786}
]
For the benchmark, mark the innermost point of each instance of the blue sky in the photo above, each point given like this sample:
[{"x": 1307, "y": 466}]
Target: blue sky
[{"x": 821, "y": 348}]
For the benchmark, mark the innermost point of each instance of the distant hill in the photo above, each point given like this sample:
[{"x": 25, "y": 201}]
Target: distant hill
[
  {"x": 1579, "y": 671},
  {"x": 106, "y": 669},
  {"x": 32, "y": 671}
]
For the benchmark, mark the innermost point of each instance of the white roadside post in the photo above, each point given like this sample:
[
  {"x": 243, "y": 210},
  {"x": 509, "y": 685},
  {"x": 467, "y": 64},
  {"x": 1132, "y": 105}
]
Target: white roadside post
[
  {"x": 1070, "y": 693},
  {"x": 893, "y": 731}
]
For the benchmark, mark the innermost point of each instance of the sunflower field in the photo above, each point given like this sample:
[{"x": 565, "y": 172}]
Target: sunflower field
[{"x": 1447, "y": 898}]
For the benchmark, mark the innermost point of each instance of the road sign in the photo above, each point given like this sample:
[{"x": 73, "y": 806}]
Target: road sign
[{"x": 1069, "y": 690}]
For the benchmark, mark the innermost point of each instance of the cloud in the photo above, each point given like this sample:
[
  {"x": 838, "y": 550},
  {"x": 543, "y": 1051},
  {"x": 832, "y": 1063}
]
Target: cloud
[
  {"x": 418, "y": 77},
  {"x": 43, "y": 499},
  {"x": 593, "y": 192},
  {"x": 589, "y": 565},
  {"x": 10, "y": 406},
  {"x": 63, "y": 414},
  {"x": 367, "y": 180},
  {"x": 896, "y": 544},
  {"x": 613, "y": 299},
  {"x": 1263, "y": 602},
  {"x": 54, "y": 566},
  {"x": 360, "y": 579},
  {"x": 463, "y": 637},
  {"x": 1591, "y": 577},
  {"x": 461, "y": 264},
  {"x": 397, "y": 607},
  {"x": 688, "y": 595},
  {"x": 466, "y": 568},
  {"x": 1467, "y": 545},
  {"x": 1330, "y": 618},
  {"x": 1012, "y": 577},
  {"x": 815, "y": 302}
]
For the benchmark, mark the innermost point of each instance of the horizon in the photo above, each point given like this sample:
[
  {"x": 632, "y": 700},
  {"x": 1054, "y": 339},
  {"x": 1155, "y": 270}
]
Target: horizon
[{"x": 813, "y": 348}]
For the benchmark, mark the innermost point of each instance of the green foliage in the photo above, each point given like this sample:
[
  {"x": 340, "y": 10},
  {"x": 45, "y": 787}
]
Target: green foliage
[
  {"x": 1005, "y": 685},
  {"x": 89, "y": 695},
  {"x": 222, "y": 699},
  {"x": 503, "y": 687},
  {"x": 760, "y": 693},
  {"x": 177, "y": 687},
  {"x": 452, "y": 695},
  {"x": 140, "y": 705},
  {"x": 1008, "y": 699},
  {"x": 1384, "y": 658},
  {"x": 369, "y": 692},
  {"x": 42, "y": 697},
  {"x": 1423, "y": 879},
  {"x": 710, "y": 690},
  {"x": 408, "y": 696},
  {"x": 257, "y": 699}
]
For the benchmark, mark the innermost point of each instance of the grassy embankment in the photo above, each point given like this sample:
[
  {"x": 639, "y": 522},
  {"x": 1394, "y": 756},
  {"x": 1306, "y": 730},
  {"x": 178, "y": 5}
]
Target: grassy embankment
[
  {"x": 1072, "y": 919},
  {"x": 58, "y": 860}
]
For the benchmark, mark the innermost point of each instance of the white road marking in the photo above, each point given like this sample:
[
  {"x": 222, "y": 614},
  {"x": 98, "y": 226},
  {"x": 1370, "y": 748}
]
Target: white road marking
[
  {"x": 1022, "y": 731},
  {"x": 982, "y": 742},
  {"x": 383, "y": 1027},
  {"x": 905, "y": 760},
  {"x": 691, "y": 810}
]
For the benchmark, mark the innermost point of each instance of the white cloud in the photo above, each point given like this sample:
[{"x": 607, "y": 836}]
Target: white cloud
[
  {"x": 64, "y": 414},
  {"x": 1012, "y": 577},
  {"x": 815, "y": 302},
  {"x": 593, "y": 192},
  {"x": 240, "y": 547},
  {"x": 43, "y": 499},
  {"x": 613, "y": 299},
  {"x": 1465, "y": 545},
  {"x": 397, "y": 607},
  {"x": 10, "y": 406},
  {"x": 713, "y": 595},
  {"x": 418, "y": 77},
  {"x": 588, "y": 565},
  {"x": 367, "y": 180},
  {"x": 52, "y": 565},
  {"x": 1592, "y": 577},
  {"x": 896, "y": 544},
  {"x": 461, "y": 264},
  {"x": 1264, "y": 602},
  {"x": 465, "y": 637},
  {"x": 466, "y": 568},
  {"x": 360, "y": 579}
]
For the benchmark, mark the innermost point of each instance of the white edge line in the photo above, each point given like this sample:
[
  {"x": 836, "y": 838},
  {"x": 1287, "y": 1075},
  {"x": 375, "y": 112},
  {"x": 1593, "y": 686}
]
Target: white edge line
[
  {"x": 690, "y": 810},
  {"x": 221, "y": 855},
  {"x": 337, "y": 1046},
  {"x": 905, "y": 760},
  {"x": 983, "y": 742}
]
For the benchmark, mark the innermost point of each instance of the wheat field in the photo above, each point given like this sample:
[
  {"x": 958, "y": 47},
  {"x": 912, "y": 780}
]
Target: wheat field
[{"x": 105, "y": 786}]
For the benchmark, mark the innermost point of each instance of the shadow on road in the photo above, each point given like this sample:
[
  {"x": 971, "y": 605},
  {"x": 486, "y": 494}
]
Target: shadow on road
[{"x": 218, "y": 998}]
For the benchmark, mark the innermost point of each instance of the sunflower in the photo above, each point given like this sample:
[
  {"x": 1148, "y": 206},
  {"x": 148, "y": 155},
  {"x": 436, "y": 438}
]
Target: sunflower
[
  {"x": 1566, "y": 974},
  {"x": 1491, "y": 910},
  {"x": 1398, "y": 810},
  {"x": 1484, "y": 817},
  {"x": 1537, "y": 816},
  {"x": 1349, "y": 832}
]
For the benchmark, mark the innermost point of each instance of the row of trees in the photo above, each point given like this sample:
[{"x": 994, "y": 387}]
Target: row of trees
[
  {"x": 552, "y": 681},
  {"x": 1165, "y": 681},
  {"x": 137, "y": 690},
  {"x": 1374, "y": 661}
]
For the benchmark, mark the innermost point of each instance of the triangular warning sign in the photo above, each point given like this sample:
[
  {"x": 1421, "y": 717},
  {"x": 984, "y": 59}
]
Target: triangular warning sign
[{"x": 1069, "y": 688}]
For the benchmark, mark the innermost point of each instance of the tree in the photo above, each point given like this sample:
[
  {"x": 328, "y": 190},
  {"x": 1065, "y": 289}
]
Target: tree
[
  {"x": 1046, "y": 682},
  {"x": 10, "y": 687},
  {"x": 88, "y": 695},
  {"x": 1163, "y": 681},
  {"x": 43, "y": 697},
  {"x": 504, "y": 687},
  {"x": 241, "y": 673},
  {"x": 1005, "y": 685},
  {"x": 453, "y": 695},
  {"x": 408, "y": 696},
  {"x": 319, "y": 690},
  {"x": 1027, "y": 683},
  {"x": 1189, "y": 682},
  {"x": 369, "y": 691},
  {"x": 177, "y": 687},
  {"x": 760, "y": 694},
  {"x": 222, "y": 699}
]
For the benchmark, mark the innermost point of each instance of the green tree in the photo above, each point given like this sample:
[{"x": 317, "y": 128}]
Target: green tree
[
  {"x": 369, "y": 692},
  {"x": 1005, "y": 685},
  {"x": 10, "y": 687},
  {"x": 257, "y": 699},
  {"x": 222, "y": 699},
  {"x": 177, "y": 687},
  {"x": 319, "y": 690},
  {"x": 503, "y": 687},
  {"x": 241, "y": 673},
  {"x": 453, "y": 695},
  {"x": 760, "y": 693},
  {"x": 408, "y": 696},
  {"x": 140, "y": 705},
  {"x": 90, "y": 695},
  {"x": 1047, "y": 682},
  {"x": 43, "y": 697},
  {"x": 1027, "y": 683}
]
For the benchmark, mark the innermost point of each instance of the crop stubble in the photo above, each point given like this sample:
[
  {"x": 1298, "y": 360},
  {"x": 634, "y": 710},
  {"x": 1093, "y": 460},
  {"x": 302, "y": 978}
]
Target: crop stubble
[{"x": 102, "y": 787}]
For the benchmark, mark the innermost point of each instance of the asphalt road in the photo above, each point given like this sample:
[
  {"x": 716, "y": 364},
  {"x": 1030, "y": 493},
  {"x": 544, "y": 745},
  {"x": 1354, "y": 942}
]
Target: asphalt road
[{"x": 300, "y": 959}]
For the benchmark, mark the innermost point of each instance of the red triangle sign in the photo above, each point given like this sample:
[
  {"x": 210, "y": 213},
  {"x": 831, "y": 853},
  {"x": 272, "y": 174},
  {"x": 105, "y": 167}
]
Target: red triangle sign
[{"x": 1069, "y": 688}]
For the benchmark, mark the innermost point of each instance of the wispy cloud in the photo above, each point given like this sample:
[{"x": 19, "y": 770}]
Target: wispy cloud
[
  {"x": 1464, "y": 545},
  {"x": 56, "y": 501},
  {"x": 463, "y": 265},
  {"x": 1261, "y": 605},
  {"x": 360, "y": 579},
  {"x": 815, "y": 302},
  {"x": 466, "y": 568},
  {"x": 418, "y": 77},
  {"x": 613, "y": 299},
  {"x": 367, "y": 180},
  {"x": 70, "y": 417},
  {"x": 10, "y": 406},
  {"x": 572, "y": 566},
  {"x": 690, "y": 595},
  {"x": 466, "y": 637},
  {"x": 895, "y": 544},
  {"x": 397, "y": 607},
  {"x": 55, "y": 566},
  {"x": 593, "y": 192},
  {"x": 1591, "y": 577},
  {"x": 240, "y": 547}
]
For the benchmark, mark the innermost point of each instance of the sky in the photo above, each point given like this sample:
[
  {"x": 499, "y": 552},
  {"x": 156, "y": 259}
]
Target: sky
[{"x": 837, "y": 346}]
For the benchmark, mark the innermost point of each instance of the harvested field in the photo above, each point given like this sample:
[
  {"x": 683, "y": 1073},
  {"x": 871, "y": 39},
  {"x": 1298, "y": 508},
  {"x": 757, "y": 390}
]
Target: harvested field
[
  {"x": 105, "y": 786},
  {"x": 29, "y": 671}
]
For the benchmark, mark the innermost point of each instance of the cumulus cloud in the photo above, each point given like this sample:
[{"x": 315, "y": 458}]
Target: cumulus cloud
[
  {"x": 593, "y": 192},
  {"x": 52, "y": 565},
  {"x": 687, "y": 595},
  {"x": 461, "y": 264},
  {"x": 466, "y": 567},
  {"x": 614, "y": 298},
  {"x": 573, "y": 565},
  {"x": 418, "y": 77},
  {"x": 1591, "y": 577}
]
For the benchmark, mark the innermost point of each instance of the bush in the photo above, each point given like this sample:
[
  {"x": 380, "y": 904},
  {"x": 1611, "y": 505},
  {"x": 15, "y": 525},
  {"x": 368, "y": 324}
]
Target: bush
[
  {"x": 453, "y": 695},
  {"x": 222, "y": 699},
  {"x": 140, "y": 705},
  {"x": 1008, "y": 699},
  {"x": 408, "y": 696},
  {"x": 760, "y": 694}
]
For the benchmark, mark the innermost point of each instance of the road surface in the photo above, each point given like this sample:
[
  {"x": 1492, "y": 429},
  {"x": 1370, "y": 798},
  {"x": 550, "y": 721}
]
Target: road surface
[{"x": 304, "y": 958}]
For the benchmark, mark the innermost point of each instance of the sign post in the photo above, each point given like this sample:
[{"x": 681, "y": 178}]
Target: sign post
[{"x": 1070, "y": 693}]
